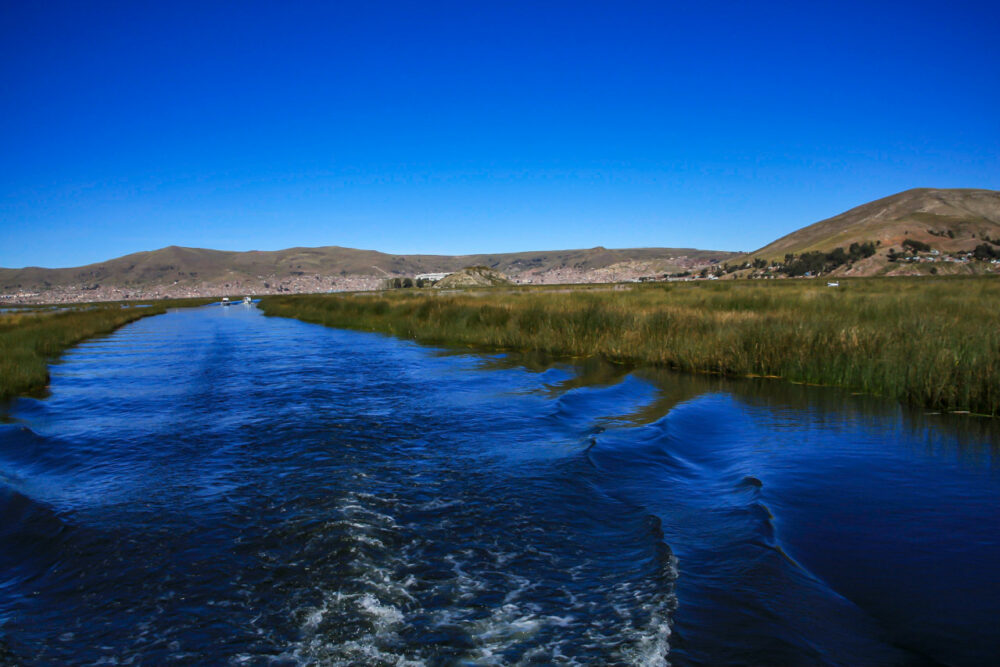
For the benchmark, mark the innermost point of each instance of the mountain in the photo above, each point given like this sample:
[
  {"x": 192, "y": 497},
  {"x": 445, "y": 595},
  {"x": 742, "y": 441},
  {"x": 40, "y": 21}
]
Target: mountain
[
  {"x": 473, "y": 276},
  {"x": 176, "y": 272},
  {"x": 948, "y": 220}
]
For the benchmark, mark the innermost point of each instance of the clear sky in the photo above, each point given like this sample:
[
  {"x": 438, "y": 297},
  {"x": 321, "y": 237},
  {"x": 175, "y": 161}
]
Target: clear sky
[{"x": 478, "y": 127}]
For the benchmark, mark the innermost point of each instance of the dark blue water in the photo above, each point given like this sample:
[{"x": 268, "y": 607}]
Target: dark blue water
[{"x": 212, "y": 486}]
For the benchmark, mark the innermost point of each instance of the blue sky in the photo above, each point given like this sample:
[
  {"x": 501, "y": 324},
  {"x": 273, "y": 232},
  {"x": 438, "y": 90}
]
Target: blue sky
[{"x": 477, "y": 127}]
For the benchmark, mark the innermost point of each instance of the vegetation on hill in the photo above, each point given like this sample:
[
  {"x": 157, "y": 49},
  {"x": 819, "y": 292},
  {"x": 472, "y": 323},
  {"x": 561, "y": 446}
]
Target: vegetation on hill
[
  {"x": 931, "y": 342},
  {"x": 816, "y": 262},
  {"x": 919, "y": 258},
  {"x": 985, "y": 252},
  {"x": 807, "y": 264}
]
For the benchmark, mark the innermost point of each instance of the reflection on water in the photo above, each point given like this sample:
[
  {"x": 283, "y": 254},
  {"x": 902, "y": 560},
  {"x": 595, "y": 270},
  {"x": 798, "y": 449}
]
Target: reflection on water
[{"x": 216, "y": 486}]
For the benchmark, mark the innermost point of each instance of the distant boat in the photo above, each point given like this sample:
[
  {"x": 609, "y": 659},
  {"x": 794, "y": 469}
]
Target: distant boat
[
  {"x": 247, "y": 300},
  {"x": 833, "y": 284},
  {"x": 225, "y": 301}
]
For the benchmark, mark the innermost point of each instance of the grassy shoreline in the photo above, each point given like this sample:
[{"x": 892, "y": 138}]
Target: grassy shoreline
[
  {"x": 932, "y": 342},
  {"x": 30, "y": 340}
]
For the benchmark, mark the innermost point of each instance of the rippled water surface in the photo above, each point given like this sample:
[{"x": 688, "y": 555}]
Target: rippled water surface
[{"x": 212, "y": 486}]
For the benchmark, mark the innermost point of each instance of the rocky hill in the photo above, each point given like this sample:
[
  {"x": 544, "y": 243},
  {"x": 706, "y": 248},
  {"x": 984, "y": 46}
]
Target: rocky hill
[{"x": 473, "y": 276}]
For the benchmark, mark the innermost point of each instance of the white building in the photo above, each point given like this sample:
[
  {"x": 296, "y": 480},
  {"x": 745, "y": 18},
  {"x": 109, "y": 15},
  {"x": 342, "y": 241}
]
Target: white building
[{"x": 434, "y": 277}]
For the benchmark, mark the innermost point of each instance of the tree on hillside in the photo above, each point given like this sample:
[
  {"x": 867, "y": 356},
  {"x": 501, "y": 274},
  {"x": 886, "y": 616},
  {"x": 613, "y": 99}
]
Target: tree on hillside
[
  {"x": 816, "y": 262},
  {"x": 916, "y": 246},
  {"x": 985, "y": 252},
  {"x": 861, "y": 250}
]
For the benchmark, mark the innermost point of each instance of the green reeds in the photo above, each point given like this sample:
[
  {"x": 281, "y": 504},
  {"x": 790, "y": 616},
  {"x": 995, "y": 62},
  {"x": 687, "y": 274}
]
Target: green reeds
[
  {"x": 933, "y": 342},
  {"x": 29, "y": 340}
]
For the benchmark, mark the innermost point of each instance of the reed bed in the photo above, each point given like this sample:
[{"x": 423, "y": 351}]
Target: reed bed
[
  {"x": 933, "y": 342},
  {"x": 29, "y": 340}
]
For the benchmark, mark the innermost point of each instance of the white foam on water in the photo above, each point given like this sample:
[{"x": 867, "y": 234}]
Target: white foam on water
[
  {"x": 385, "y": 615},
  {"x": 522, "y": 585},
  {"x": 371, "y": 541},
  {"x": 370, "y": 618},
  {"x": 653, "y": 645},
  {"x": 370, "y": 603},
  {"x": 438, "y": 503}
]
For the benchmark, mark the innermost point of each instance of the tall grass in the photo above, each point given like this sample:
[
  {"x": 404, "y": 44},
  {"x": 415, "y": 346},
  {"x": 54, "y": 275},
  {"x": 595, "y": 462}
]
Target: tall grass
[
  {"x": 929, "y": 342},
  {"x": 28, "y": 340}
]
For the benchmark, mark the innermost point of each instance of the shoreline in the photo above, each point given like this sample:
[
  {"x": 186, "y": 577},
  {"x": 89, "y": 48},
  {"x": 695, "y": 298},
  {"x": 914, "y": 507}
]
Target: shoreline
[
  {"x": 929, "y": 343},
  {"x": 31, "y": 340}
]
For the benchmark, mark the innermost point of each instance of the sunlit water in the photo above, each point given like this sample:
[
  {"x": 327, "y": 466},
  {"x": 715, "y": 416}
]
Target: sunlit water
[{"x": 212, "y": 486}]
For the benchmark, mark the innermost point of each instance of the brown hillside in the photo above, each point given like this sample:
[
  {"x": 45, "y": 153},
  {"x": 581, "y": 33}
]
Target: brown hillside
[{"x": 950, "y": 220}]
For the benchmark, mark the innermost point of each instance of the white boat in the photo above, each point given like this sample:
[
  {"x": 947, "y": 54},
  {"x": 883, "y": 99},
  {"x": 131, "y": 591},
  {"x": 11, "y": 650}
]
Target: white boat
[
  {"x": 247, "y": 300},
  {"x": 225, "y": 301}
]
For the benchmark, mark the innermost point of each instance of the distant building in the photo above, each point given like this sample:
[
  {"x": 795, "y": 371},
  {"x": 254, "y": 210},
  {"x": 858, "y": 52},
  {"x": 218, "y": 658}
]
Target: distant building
[{"x": 433, "y": 277}]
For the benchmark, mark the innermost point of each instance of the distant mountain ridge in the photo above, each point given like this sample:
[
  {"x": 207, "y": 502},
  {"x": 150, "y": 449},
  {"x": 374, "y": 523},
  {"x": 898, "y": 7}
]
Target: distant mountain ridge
[
  {"x": 178, "y": 271},
  {"x": 950, "y": 221}
]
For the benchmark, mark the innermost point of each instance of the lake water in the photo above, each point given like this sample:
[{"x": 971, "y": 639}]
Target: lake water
[{"x": 212, "y": 486}]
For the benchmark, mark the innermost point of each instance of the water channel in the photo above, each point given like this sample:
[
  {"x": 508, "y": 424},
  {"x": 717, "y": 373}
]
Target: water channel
[{"x": 212, "y": 486}]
